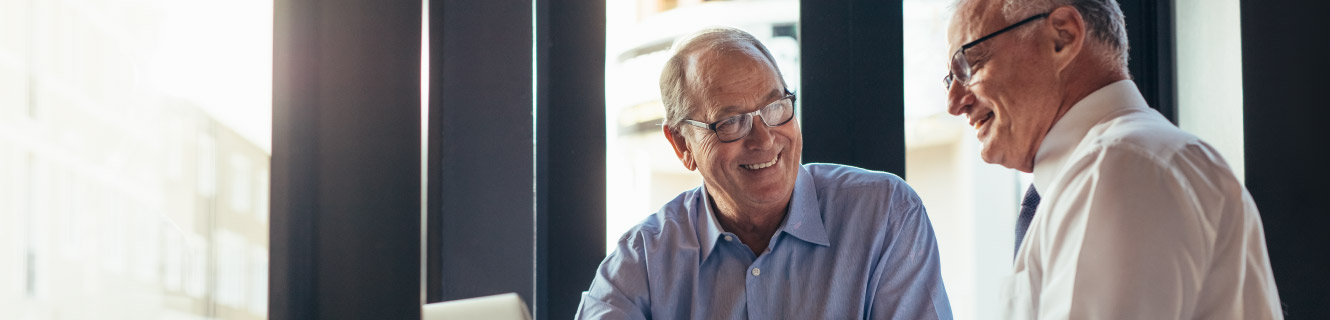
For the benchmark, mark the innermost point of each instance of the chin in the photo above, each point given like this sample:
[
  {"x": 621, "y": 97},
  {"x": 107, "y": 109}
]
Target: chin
[
  {"x": 774, "y": 192},
  {"x": 989, "y": 156}
]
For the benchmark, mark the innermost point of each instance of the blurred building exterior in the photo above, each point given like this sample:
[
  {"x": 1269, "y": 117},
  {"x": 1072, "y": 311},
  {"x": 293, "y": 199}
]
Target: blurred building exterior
[{"x": 118, "y": 201}]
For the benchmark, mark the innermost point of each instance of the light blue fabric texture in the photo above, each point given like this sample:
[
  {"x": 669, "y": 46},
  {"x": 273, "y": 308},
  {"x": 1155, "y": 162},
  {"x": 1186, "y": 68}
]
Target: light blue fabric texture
[{"x": 855, "y": 244}]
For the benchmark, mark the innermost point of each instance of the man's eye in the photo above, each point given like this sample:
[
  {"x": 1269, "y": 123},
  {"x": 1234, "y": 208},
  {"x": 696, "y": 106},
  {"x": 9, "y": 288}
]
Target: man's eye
[
  {"x": 729, "y": 125},
  {"x": 981, "y": 57}
]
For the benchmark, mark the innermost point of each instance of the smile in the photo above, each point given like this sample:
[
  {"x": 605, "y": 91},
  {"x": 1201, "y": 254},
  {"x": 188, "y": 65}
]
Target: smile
[
  {"x": 763, "y": 165},
  {"x": 982, "y": 121}
]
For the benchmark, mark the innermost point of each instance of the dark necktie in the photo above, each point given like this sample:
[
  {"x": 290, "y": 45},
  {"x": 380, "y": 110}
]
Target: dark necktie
[{"x": 1028, "y": 206}]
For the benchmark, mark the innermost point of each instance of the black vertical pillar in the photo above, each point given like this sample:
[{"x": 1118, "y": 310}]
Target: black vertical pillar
[
  {"x": 482, "y": 126},
  {"x": 345, "y": 204},
  {"x": 570, "y": 152},
  {"x": 1152, "y": 66},
  {"x": 852, "y": 102},
  {"x": 1284, "y": 118}
]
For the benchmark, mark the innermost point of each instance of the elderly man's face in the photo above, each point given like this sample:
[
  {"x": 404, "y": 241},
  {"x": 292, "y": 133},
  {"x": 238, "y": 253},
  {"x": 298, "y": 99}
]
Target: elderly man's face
[
  {"x": 1011, "y": 98},
  {"x": 760, "y": 168}
]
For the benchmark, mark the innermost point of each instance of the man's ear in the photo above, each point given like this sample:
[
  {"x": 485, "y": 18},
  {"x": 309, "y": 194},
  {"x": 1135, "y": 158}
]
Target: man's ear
[
  {"x": 680, "y": 147},
  {"x": 1069, "y": 35}
]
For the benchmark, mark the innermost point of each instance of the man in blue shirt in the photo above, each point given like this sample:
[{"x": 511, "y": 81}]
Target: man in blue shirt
[{"x": 764, "y": 237}]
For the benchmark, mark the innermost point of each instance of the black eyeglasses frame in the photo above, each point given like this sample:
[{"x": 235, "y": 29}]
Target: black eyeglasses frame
[
  {"x": 712, "y": 126},
  {"x": 964, "y": 79}
]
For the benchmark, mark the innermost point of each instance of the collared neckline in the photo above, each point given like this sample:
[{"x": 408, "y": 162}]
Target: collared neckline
[
  {"x": 1068, "y": 132},
  {"x": 803, "y": 220}
]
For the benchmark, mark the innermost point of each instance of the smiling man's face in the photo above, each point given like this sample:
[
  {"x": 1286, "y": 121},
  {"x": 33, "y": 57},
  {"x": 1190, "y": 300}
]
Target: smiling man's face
[
  {"x": 758, "y": 170},
  {"x": 1013, "y": 94}
]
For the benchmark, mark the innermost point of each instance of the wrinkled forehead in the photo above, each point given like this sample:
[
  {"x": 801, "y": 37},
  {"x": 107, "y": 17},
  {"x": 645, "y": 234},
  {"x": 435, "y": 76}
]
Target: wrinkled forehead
[
  {"x": 730, "y": 80},
  {"x": 972, "y": 19},
  {"x": 717, "y": 69}
]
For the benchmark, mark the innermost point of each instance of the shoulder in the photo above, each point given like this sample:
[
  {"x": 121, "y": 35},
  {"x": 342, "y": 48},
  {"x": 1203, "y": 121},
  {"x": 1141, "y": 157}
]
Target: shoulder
[
  {"x": 1141, "y": 133},
  {"x": 842, "y": 182},
  {"x": 1142, "y": 149},
  {"x": 860, "y": 202}
]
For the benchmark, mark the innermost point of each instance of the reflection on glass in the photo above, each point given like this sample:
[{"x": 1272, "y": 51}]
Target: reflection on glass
[
  {"x": 641, "y": 169},
  {"x": 134, "y": 147}
]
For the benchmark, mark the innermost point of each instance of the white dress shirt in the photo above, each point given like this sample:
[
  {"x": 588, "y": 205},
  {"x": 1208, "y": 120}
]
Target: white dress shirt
[{"x": 1138, "y": 220}]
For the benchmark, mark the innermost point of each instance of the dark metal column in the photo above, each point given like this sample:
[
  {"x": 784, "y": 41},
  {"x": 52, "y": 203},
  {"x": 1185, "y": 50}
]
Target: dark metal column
[
  {"x": 571, "y": 152},
  {"x": 1284, "y": 118},
  {"x": 852, "y": 102},
  {"x": 482, "y": 127},
  {"x": 1150, "y": 31},
  {"x": 346, "y": 156}
]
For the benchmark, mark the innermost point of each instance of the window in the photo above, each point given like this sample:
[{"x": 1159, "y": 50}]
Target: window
[
  {"x": 241, "y": 184},
  {"x": 1209, "y": 76},
  {"x": 965, "y": 196},
  {"x": 127, "y": 129}
]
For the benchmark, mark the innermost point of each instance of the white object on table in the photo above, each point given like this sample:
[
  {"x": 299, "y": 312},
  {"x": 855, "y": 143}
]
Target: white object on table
[{"x": 506, "y": 306}]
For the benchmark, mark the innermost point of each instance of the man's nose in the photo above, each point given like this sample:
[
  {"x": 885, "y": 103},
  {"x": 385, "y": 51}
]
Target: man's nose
[
  {"x": 760, "y": 138},
  {"x": 959, "y": 98}
]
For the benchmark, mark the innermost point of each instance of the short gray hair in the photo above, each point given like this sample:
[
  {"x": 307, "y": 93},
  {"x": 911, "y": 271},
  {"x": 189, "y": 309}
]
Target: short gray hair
[
  {"x": 1103, "y": 22},
  {"x": 674, "y": 86}
]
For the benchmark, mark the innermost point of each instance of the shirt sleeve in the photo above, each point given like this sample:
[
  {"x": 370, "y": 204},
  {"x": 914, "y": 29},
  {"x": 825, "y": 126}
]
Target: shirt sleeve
[
  {"x": 619, "y": 290},
  {"x": 909, "y": 277},
  {"x": 1130, "y": 243}
]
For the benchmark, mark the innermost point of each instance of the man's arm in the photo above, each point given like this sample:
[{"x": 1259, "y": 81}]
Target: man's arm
[
  {"x": 1127, "y": 242},
  {"x": 619, "y": 290},
  {"x": 909, "y": 276}
]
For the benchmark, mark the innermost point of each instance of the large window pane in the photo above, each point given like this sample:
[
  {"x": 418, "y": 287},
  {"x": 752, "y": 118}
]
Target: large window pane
[
  {"x": 134, "y": 148},
  {"x": 973, "y": 205},
  {"x": 1209, "y": 67}
]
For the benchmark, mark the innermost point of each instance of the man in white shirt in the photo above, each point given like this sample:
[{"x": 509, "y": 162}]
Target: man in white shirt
[{"x": 1129, "y": 217}]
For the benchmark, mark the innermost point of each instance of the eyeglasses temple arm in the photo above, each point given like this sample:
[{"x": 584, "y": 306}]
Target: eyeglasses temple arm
[{"x": 1000, "y": 31}]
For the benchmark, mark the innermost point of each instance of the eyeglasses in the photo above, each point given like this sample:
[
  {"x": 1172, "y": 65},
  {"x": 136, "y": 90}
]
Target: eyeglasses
[
  {"x": 737, "y": 127},
  {"x": 960, "y": 66}
]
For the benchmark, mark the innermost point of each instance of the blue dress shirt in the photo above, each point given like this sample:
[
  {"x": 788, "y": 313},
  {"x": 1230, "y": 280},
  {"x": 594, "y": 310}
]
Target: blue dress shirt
[{"x": 854, "y": 244}]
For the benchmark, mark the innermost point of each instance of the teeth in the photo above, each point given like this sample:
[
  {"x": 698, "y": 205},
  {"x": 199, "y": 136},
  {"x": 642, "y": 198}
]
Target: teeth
[
  {"x": 981, "y": 122},
  {"x": 761, "y": 165}
]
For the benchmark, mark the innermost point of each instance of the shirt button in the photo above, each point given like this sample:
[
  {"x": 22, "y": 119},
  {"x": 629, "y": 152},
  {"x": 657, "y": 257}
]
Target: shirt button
[
  {"x": 729, "y": 238},
  {"x": 757, "y": 272}
]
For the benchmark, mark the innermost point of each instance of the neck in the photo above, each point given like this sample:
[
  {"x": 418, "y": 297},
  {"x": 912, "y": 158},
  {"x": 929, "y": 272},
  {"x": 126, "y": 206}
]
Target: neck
[
  {"x": 1078, "y": 90},
  {"x": 1077, "y": 82},
  {"x": 753, "y": 224},
  {"x": 1085, "y": 76},
  {"x": 1075, "y": 88}
]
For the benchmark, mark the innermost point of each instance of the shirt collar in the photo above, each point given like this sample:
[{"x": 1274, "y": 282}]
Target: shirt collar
[
  {"x": 1068, "y": 132},
  {"x": 803, "y": 221}
]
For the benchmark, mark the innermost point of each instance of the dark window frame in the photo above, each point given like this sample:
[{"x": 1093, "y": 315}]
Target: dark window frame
[
  {"x": 850, "y": 51},
  {"x": 1150, "y": 31},
  {"x": 1283, "y": 126},
  {"x": 346, "y": 160}
]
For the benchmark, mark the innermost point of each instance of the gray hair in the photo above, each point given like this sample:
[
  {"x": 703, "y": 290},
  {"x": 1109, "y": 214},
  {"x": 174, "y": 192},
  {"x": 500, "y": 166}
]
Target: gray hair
[
  {"x": 1103, "y": 22},
  {"x": 674, "y": 86}
]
